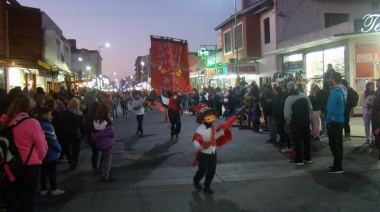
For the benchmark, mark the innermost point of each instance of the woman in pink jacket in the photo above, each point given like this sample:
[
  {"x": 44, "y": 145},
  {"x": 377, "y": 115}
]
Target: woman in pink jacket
[{"x": 28, "y": 137}]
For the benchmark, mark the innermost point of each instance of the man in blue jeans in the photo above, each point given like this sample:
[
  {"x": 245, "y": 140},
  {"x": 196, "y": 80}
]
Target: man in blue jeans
[{"x": 335, "y": 121}]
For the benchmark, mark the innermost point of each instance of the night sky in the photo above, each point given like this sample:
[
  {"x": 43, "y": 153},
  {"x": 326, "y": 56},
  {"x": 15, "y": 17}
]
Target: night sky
[{"x": 127, "y": 25}]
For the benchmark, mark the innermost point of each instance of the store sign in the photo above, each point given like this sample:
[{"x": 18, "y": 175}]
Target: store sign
[
  {"x": 369, "y": 23},
  {"x": 243, "y": 69},
  {"x": 210, "y": 62},
  {"x": 367, "y": 52}
]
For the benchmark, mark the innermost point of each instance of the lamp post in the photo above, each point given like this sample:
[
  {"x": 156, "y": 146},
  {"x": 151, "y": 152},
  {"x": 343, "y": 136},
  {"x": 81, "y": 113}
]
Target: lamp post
[
  {"x": 100, "y": 60},
  {"x": 142, "y": 69},
  {"x": 100, "y": 81}
]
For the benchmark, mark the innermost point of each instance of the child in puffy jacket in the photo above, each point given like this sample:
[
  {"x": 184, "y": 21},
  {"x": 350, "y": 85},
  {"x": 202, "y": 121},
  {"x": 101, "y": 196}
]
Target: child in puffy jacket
[
  {"x": 49, "y": 163},
  {"x": 255, "y": 118},
  {"x": 103, "y": 136}
]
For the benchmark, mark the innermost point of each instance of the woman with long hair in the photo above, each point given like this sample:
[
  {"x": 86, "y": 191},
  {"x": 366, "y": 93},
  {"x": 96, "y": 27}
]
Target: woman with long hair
[
  {"x": 89, "y": 128},
  {"x": 366, "y": 101},
  {"x": 30, "y": 140},
  {"x": 103, "y": 136},
  {"x": 73, "y": 131}
]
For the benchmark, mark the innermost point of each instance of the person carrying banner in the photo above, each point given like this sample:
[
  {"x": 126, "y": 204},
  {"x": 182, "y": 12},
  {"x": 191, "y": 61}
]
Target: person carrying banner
[
  {"x": 174, "y": 114},
  {"x": 205, "y": 140}
]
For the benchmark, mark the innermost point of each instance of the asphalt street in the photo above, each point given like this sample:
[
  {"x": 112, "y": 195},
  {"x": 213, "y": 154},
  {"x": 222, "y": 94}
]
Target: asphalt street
[{"x": 155, "y": 174}]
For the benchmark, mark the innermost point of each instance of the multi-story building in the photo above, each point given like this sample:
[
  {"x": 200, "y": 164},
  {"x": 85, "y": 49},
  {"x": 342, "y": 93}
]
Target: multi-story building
[
  {"x": 57, "y": 51},
  {"x": 87, "y": 63},
  {"x": 21, "y": 46}
]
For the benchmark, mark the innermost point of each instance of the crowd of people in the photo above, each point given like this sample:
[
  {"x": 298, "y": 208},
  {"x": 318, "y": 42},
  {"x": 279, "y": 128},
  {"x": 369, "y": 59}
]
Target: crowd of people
[
  {"x": 49, "y": 128},
  {"x": 52, "y": 126}
]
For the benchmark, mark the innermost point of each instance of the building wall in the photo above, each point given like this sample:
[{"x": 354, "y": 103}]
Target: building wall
[
  {"x": 89, "y": 58},
  {"x": 48, "y": 23},
  {"x": 299, "y": 17},
  {"x": 25, "y": 33},
  {"x": 57, "y": 49},
  {"x": 269, "y": 47},
  {"x": 251, "y": 38},
  {"x": 3, "y": 29}
]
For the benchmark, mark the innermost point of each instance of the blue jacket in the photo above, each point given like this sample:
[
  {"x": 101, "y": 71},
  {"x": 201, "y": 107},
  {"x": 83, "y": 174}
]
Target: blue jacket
[
  {"x": 335, "y": 105},
  {"x": 54, "y": 149}
]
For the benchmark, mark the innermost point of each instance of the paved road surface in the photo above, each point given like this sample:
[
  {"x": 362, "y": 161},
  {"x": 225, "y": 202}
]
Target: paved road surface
[{"x": 155, "y": 174}]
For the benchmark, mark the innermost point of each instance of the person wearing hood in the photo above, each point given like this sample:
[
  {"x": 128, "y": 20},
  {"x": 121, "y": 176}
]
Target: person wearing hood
[
  {"x": 49, "y": 163},
  {"x": 335, "y": 121},
  {"x": 72, "y": 131},
  {"x": 103, "y": 137}
]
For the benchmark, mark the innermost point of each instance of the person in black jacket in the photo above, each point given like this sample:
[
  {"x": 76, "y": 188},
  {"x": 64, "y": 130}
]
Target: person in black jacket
[
  {"x": 73, "y": 131},
  {"x": 322, "y": 97},
  {"x": 255, "y": 92},
  {"x": 268, "y": 110},
  {"x": 278, "y": 106},
  {"x": 316, "y": 112},
  {"x": 297, "y": 112}
]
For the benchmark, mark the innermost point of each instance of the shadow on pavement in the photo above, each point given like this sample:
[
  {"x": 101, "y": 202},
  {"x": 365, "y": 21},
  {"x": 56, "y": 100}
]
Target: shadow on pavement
[
  {"x": 346, "y": 182},
  {"x": 208, "y": 203}
]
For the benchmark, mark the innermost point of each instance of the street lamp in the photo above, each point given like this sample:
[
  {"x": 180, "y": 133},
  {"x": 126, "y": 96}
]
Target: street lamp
[
  {"x": 100, "y": 62},
  {"x": 80, "y": 59}
]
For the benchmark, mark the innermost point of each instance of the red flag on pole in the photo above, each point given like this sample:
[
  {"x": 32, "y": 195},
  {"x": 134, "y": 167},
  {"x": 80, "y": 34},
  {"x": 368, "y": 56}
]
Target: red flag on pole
[{"x": 170, "y": 64}]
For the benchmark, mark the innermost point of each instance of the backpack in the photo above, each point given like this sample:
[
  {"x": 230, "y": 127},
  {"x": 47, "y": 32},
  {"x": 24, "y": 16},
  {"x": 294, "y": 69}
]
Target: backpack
[
  {"x": 11, "y": 165},
  {"x": 352, "y": 99}
]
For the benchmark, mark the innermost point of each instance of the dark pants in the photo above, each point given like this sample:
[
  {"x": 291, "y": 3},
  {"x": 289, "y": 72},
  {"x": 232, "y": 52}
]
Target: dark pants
[
  {"x": 49, "y": 169},
  {"x": 175, "y": 122},
  {"x": 256, "y": 126},
  {"x": 71, "y": 148},
  {"x": 336, "y": 143},
  {"x": 347, "y": 128},
  {"x": 140, "y": 119},
  {"x": 206, "y": 166},
  {"x": 301, "y": 136},
  {"x": 23, "y": 191},
  {"x": 125, "y": 111},
  {"x": 376, "y": 124},
  {"x": 95, "y": 155},
  {"x": 284, "y": 138},
  {"x": 218, "y": 108}
]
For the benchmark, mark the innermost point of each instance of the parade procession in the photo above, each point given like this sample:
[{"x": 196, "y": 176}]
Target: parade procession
[{"x": 250, "y": 105}]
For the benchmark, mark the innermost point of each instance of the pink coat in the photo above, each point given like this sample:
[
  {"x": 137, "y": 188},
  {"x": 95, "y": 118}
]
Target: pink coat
[{"x": 25, "y": 134}]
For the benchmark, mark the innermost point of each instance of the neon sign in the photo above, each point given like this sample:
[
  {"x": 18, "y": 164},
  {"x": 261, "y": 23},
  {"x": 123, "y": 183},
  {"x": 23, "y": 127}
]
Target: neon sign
[{"x": 371, "y": 23}]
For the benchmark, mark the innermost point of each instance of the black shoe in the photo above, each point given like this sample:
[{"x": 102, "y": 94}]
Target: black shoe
[
  {"x": 107, "y": 180},
  {"x": 73, "y": 166},
  {"x": 141, "y": 135},
  {"x": 336, "y": 171},
  {"x": 176, "y": 135},
  {"x": 208, "y": 190},
  {"x": 298, "y": 163},
  {"x": 171, "y": 137},
  {"x": 198, "y": 186}
]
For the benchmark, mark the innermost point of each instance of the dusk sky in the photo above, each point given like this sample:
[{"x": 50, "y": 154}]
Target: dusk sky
[{"x": 128, "y": 24}]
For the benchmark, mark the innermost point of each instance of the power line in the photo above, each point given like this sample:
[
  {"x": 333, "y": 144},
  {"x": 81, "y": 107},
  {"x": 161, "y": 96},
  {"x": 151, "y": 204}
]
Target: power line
[{"x": 136, "y": 14}]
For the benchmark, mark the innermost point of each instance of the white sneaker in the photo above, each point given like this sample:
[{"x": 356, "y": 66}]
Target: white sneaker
[
  {"x": 43, "y": 192},
  {"x": 286, "y": 150},
  {"x": 57, "y": 192}
]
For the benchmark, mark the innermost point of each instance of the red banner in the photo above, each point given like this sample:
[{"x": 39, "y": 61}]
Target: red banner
[{"x": 170, "y": 64}]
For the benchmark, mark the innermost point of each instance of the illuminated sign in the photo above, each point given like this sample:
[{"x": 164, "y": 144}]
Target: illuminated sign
[
  {"x": 203, "y": 53},
  {"x": 210, "y": 62},
  {"x": 371, "y": 23}
]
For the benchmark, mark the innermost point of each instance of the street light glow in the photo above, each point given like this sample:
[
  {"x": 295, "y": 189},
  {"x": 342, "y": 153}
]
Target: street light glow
[
  {"x": 114, "y": 73},
  {"x": 80, "y": 59},
  {"x": 88, "y": 68},
  {"x": 142, "y": 63},
  {"x": 107, "y": 45}
]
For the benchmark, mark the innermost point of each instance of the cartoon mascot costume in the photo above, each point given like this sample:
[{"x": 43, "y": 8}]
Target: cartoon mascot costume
[{"x": 205, "y": 140}]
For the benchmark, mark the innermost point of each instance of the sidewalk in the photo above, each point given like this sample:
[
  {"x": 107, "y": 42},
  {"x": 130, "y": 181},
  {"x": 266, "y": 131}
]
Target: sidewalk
[{"x": 357, "y": 127}]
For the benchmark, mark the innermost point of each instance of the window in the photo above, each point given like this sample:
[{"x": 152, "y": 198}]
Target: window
[
  {"x": 227, "y": 42},
  {"x": 239, "y": 36},
  {"x": 332, "y": 19},
  {"x": 266, "y": 31},
  {"x": 375, "y": 5},
  {"x": 58, "y": 50}
]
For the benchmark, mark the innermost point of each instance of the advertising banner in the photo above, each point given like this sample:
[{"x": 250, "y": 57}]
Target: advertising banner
[{"x": 170, "y": 64}]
